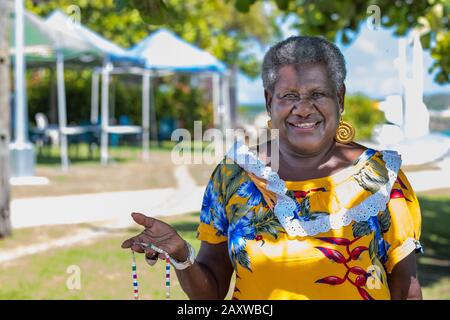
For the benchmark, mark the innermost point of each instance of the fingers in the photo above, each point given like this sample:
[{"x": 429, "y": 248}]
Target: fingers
[
  {"x": 143, "y": 220},
  {"x": 137, "y": 248},
  {"x": 146, "y": 236},
  {"x": 162, "y": 256},
  {"x": 151, "y": 254},
  {"x": 127, "y": 243},
  {"x": 132, "y": 241},
  {"x": 135, "y": 242}
]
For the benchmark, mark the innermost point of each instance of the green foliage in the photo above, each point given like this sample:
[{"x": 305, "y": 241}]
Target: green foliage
[
  {"x": 219, "y": 28},
  {"x": 151, "y": 11},
  {"x": 177, "y": 97},
  {"x": 174, "y": 97},
  {"x": 244, "y": 5},
  {"x": 227, "y": 35},
  {"x": 341, "y": 20},
  {"x": 39, "y": 93},
  {"x": 362, "y": 113},
  {"x": 214, "y": 25},
  {"x": 123, "y": 28}
]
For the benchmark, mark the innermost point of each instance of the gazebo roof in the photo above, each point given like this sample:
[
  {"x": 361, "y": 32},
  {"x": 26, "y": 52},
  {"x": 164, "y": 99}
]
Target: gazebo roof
[
  {"x": 103, "y": 46},
  {"x": 163, "y": 50},
  {"x": 42, "y": 42}
]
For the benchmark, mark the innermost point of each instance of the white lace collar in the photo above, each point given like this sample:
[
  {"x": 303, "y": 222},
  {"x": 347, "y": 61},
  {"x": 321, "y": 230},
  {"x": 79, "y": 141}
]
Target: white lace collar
[{"x": 285, "y": 205}]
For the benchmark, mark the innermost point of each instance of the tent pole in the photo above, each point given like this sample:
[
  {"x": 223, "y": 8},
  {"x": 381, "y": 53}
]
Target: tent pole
[
  {"x": 94, "y": 98},
  {"x": 145, "y": 114},
  {"x": 62, "y": 111},
  {"x": 225, "y": 110},
  {"x": 105, "y": 113},
  {"x": 152, "y": 106},
  {"x": 215, "y": 77},
  {"x": 112, "y": 97},
  {"x": 221, "y": 107},
  {"x": 22, "y": 157}
]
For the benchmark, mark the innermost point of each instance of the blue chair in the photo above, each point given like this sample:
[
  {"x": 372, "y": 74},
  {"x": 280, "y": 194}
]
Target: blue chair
[{"x": 166, "y": 127}]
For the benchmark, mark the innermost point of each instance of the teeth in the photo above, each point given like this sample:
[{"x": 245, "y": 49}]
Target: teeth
[{"x": 305, "y": 125}]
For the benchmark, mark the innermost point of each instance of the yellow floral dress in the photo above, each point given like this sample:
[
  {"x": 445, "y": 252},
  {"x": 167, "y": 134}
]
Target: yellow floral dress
[{"x": 346, "y": 237}]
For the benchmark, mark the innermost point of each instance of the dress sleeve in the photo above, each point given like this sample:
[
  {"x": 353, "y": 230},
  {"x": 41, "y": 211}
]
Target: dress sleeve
[
  {"x": 213, "y": 226},
  {"x": 404, "y": 227}
]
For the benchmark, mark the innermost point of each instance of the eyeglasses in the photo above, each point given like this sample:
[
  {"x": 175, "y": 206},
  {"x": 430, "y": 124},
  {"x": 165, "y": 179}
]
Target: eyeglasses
[{"x": 314, "y": 98}]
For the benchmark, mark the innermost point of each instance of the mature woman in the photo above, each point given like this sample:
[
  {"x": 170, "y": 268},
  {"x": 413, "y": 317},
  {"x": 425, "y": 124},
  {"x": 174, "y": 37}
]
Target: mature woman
[{"x": 336, "y": 221}]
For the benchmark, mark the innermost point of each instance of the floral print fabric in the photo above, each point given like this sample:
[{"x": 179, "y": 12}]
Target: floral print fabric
[{"x": 349, "y": 263}]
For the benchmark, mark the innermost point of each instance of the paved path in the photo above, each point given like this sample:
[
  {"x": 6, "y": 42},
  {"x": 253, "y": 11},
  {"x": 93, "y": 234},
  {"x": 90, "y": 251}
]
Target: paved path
[
  {"x": 186, "y": 197},
  {"x": 431, "y": 179},
  {"x": 109, "y": 206},
  {"x": 103, "y": 206},
  {"x": 115, "y": 207},
  {"x": 85, "y": 236},
  {"x": 112, "y": 208}
]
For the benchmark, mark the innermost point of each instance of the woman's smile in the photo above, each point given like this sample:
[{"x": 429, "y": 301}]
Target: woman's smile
[{"x": 304, "y": 127}]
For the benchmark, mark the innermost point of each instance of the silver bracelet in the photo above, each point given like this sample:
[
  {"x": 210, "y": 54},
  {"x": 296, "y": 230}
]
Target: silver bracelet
[
  {"x": 189, "y": 261},
  {"x": 177, "y": 264}
]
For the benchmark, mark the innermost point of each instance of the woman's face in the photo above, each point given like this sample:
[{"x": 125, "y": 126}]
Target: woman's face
[{"x": 305, "y": 108}]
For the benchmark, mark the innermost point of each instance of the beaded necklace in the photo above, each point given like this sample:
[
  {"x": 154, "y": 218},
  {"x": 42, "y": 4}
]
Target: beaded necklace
[
  {"x": 134, "y": 272},
  {"x": 134, "y": 275}
]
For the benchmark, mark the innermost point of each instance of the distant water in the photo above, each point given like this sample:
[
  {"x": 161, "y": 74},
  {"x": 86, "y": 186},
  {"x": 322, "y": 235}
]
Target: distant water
[{"x": 248, "y": 113}]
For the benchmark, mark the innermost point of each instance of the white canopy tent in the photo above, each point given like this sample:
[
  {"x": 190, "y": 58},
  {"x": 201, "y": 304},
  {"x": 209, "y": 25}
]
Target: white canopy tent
[
  {"x": 163, "y": 53},
  {"x": 163, "y": 50},
  {"x": 110, "y": 53},
  {"x": 160, "y": 53},
  {"x": 106, "y": 127},
  {"x": 46, "y": 45}
]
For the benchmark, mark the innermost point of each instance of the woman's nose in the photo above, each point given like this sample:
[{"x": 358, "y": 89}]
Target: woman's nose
[{"x": 303, "y": 108}]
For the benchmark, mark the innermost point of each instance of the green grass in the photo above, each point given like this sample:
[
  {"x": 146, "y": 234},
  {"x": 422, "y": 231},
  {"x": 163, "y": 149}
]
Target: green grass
[
  {"x": 80, "y": 154},
  {"x": 42, "y": 234},
  {"x": 105, "y": 267},
  {"x": 125, "y": 172},
  {"x": 434, "y": 264},
  {"x": 105, "y": 270}
]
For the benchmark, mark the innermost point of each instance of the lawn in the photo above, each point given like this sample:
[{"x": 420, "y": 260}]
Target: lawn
[
  {"x": 105, "y": 268},
  {"x": 126, "y": 172},
  {"x": 434, "y": 264}
]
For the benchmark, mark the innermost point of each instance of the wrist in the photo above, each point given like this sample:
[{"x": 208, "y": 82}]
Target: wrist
[
  {"x": 182, "y": 253},
  {"x": 181, "y": 263}
]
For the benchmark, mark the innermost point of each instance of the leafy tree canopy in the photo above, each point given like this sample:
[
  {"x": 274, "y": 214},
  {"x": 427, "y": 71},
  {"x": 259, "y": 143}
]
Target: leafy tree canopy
[
  {"x": 337, "y": 20},
  {"x": 214, "y": 25}
]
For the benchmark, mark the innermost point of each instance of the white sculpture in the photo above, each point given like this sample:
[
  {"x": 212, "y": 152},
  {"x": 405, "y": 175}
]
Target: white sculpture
[{"x": 409, "y": 132}]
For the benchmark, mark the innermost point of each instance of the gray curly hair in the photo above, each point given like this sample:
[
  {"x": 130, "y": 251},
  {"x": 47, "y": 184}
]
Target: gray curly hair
[{"x": 303, "y": 49}]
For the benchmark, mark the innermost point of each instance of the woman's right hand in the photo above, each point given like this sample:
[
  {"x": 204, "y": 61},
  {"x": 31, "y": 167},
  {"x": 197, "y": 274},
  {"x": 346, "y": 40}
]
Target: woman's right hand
[{"x": 159, "y": 234}]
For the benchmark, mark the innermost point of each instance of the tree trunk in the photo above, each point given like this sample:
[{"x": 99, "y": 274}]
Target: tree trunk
[{"x": 5, "y": 223}]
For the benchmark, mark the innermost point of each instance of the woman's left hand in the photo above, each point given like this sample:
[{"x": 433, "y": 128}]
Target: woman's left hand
[{"x": 159, "y": 234}]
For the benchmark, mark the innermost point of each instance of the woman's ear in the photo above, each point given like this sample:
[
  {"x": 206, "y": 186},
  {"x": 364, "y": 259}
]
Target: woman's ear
[
  {"x": 268, "y": 98},
  {"x": 341, "y": 98}
]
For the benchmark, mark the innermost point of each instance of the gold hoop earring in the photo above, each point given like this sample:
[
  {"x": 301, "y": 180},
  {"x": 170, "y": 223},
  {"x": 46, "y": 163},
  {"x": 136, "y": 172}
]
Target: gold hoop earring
[
  {"x": 269, "y": 124},
  {"x": 345, "y": 132}
]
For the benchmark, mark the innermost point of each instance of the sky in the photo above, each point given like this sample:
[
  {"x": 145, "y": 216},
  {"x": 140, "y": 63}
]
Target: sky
[{"x": 370, "y": 68}]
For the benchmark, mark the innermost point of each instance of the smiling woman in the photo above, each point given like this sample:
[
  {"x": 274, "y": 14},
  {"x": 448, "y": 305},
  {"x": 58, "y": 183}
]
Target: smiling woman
[
  {"x": 303, "y": 107},
  {"x": 336, "y": 221}
]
